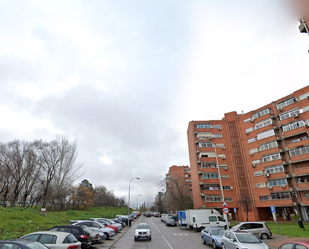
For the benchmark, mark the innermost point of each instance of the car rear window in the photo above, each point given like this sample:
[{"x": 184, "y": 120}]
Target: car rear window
[
  {"x": 48, "y": 239},
  {"x": 70, "y": 239}
]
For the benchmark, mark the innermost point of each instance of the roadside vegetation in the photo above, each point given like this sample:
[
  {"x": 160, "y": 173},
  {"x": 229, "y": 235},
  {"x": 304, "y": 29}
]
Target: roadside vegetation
[{"x": 17, "y": 221}]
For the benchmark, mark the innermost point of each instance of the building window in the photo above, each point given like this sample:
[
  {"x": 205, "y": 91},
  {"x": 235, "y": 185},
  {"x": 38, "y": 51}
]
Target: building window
[
  {"x": 217, "y": 126},
  {"x": 252, "y": 151},
  {"x": 261, "y": 113},
  {"x": 251, "y": 140},
  {"x": 268, "y": 146},
  {"x": 289, "y": 114},
  {"x": 218, "y": 135},
  {"x": 277, "y": 182},
  {"x": 274, "y": 169},
  {"x": 266, "y": 134},
  {"x": 280, "y": 195},
  {"x": 208, "y": 165},
  {"x": 225, "y": 177},
  {"x": 263, "y": 198},
  {"x": 203, "y": 126},
  {"x": 258, "y": 173},
  {"x": 299, "y": 151},
  {"x": 263, "y": 124},
  {"x": 286, "y": 102},
  {"x": 293, "y": 126},
  {"x": 271, "y": 157},
  {"x": 247, "y": 120},
  {"x": 226, "y": 187},
  {"x": 210, "y": 176},
  {"x": 261, "y": 185},
  {"x": 205, "y": 145},
  {"x": 212, "y": 198}
]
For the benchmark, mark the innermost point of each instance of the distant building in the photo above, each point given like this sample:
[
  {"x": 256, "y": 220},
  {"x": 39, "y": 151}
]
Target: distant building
[
  {"x": 178, "y": 187},
  {"x": 254, "y": 160}
]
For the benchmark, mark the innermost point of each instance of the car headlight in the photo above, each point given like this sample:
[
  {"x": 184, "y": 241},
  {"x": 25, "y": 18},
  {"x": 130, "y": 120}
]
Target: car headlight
[
  {"x": 219, "y": 240},
  {"x": 148, "y": 232},
  {"x": 136, "y": 233}
]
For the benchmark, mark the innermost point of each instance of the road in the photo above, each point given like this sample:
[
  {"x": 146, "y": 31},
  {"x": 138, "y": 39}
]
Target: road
[{"x": 163, "y": 237}]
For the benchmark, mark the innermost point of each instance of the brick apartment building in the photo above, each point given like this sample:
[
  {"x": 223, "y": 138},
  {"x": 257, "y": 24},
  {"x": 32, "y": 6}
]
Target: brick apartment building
[
  {"x": 182, "y": 173},
  {"x": 178, "y": 186},
  {"x": 254, "y": 160}
]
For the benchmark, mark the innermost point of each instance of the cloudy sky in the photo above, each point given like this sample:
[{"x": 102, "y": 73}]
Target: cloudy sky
[{"x": 125, "y": 77}]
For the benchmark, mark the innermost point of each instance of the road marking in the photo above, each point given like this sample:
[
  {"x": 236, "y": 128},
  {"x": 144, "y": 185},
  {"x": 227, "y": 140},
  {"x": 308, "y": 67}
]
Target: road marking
[
  {"x": 167, "y": 242},
  {"x": 180, "y": 234},
  {"x": 155, "y": 226}
]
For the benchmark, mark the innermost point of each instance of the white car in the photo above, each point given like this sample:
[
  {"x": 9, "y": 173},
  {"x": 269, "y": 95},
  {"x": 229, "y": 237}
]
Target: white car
[
  {"x": 54, "y": 239},
  {"x": 142, "y": 231},
  {"x": 96, "y": 227}
]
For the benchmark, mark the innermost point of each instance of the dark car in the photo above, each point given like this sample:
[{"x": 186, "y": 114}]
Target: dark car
[
  {"x": 80, "y": 233},
  {"x": 21, "y": 244}
]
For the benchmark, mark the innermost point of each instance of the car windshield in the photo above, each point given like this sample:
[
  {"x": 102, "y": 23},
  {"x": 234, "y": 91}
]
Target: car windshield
[
  {"x": 218, "y": 231},
  {"x": 247, "y": 238},
  {"x": 142, "y": 226}
]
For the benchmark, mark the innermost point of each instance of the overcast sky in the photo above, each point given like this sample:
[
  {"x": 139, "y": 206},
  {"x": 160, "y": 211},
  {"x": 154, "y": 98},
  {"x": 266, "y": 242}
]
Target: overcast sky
[{"x": 124, "y": 78}]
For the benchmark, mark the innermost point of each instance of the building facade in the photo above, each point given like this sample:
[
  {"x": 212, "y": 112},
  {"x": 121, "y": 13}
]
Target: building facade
[
  {"x": 178, "y": 188},
  {"x": 253, "y": 161}
]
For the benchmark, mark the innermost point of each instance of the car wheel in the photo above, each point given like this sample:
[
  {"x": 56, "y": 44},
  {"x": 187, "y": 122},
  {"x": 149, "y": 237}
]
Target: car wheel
[
  {"x": 223, "y": 246},
  {"x": 150, "y": 238},
  {"x": 203, "y": 241},
  {"x": 135, "y": 239},
  {"x": 107, "y": 236},
  {"x": 214, "y": 244},
  {"x": 264, "y": 236}
]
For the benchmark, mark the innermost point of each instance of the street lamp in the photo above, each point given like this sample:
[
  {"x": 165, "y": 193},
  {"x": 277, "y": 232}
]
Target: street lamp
[
  {"x": 129, "y": 222},
  {"x": 138, "y": 202}
]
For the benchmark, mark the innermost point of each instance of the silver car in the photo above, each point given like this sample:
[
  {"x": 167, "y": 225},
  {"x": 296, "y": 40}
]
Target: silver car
[
  {"x": 241, "y": 240},
  {"x": 259, "y": 229},
  {"x": 170, "y": 222},
  {"x": 142, "y": 231}
]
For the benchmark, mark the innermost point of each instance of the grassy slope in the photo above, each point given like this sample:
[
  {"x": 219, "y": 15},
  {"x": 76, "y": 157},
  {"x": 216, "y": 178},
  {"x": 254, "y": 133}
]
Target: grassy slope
[{"x": 15, "y": 222}]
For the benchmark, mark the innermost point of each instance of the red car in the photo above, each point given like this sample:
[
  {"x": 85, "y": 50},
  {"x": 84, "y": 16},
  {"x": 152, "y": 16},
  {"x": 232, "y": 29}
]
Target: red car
[{"x": 295, "y": 244}]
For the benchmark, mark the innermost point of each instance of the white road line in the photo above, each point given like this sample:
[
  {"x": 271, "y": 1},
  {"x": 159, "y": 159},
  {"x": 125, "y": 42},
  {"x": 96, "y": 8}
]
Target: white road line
[
  {"x": 155, "y": 226},
  {"x": 167, "y": 242}
]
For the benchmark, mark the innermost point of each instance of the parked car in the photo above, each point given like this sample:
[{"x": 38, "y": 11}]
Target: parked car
[
  {"x": 168, "y": 216},
  {"x": 259, "y": 229},
  {"x": 241, "y": 239},
  {"x": 125, "y": 220},
  {"x": 21, "y": 244},
  {"x": 119, "y": 222},
  {"x": 54, "y": 239},
  {"x": 142, "y": 231},
  {"x": 96, "y": 227},
  {"x": 295, "y": 244},
  {"x": 112, "y": 223},
  {"x": 106, "y": 223},
  {"x": 163, "y": 216},
  {"x": 171, "y": 222},
  {"x": 80, "y": 232},
  {"x": 212, "y": 236}
]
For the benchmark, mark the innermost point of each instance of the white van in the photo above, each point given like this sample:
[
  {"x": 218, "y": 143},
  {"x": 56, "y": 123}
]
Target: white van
[{"x": 198, "y": 219}]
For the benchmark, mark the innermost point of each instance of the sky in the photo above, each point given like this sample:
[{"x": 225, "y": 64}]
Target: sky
[{"x": 124, "y": 78}]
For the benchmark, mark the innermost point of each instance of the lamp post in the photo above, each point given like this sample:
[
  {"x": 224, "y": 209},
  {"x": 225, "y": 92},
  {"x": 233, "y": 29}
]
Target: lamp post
[
  {"x": 138, "y": 201},
  {"x": 129, "y": 221}
]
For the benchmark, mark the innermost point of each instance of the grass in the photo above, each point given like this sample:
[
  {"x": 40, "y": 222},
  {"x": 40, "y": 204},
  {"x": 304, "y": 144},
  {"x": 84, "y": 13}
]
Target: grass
[{"x": 15, "y": 222}]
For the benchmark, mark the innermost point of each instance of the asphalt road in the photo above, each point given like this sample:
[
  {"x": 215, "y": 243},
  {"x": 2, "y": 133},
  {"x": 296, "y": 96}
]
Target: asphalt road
[{"x": 164, "y": 237}]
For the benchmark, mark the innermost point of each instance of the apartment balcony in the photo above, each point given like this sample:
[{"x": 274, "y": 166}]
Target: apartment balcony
[{"x": 303, "y": 186}]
